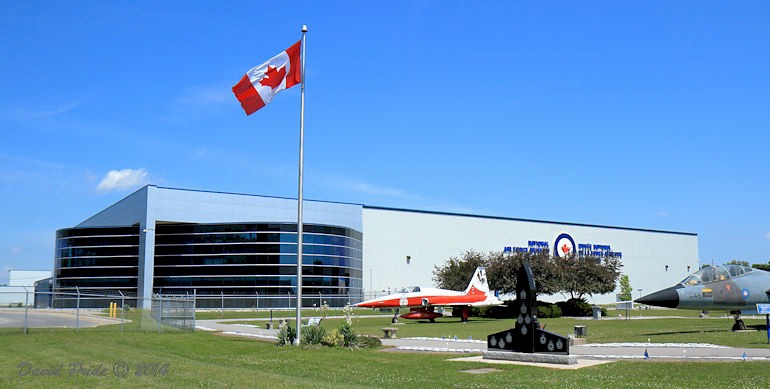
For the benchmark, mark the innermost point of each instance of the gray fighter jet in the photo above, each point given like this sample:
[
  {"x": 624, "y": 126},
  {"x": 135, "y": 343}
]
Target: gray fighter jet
[{"x": 733, "y": 288}]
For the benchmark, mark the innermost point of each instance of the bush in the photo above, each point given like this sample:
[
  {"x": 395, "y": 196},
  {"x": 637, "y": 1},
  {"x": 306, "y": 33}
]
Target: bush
[
  {"x": 508, "y": 311},
  {"x": 548, "y": 310},
  {"x": 286, "y": 336},
  {"x": 368, "y": 341},
  {"x": 496, "y": 312},
  {"x": 332, "y": 338},
  {"x": 575, "y": 307},
  {"x": 313, "y": 334},
  {"x": 349, "y": 337}
]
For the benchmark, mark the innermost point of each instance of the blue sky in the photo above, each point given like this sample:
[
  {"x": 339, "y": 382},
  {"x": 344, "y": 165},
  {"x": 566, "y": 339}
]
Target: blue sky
[{"x": 637, "y": 114}]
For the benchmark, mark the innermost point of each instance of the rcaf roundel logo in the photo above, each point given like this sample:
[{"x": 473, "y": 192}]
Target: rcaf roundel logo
[{"x": 564, "y": 245}]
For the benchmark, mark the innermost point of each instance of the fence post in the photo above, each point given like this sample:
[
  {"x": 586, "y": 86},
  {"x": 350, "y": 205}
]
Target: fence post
[
  {"x": 289, "y": 293},
  {"x": 223, "y": 303},
  {"x": 257, "y": 310},
  {"x": 26, "y": 308},
  {"x": 320, "y": 300},
  {"x": 195, "y": 303},
  {"x": 77, "y": 311},
  {"x": 160, "y": 310},
  {"x": 122, "y": 309}
]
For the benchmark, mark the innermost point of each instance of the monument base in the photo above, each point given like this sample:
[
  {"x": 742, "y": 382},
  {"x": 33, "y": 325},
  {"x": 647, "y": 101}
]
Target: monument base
[
  {"x": 577, "y": 341},
  {"x": 531, "y": 357}
]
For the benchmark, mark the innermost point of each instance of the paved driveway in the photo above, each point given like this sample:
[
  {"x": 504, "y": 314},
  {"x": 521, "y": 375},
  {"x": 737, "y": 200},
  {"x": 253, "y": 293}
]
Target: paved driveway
[{"x": 37, "y": 318}]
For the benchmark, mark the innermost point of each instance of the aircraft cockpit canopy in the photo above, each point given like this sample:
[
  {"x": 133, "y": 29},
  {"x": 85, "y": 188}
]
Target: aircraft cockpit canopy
[
  {"x": 410, "y": 289},
  {"x": 715, "y": 273}
]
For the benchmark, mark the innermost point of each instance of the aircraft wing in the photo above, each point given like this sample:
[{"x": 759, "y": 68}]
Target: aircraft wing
[{"x": 482, "y": 303}]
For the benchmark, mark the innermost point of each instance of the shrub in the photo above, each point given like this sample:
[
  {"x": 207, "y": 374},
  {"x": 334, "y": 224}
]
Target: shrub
[
  {"x": 332, "y": 338},
  {"x": 313, "y": 334},
  {"x": 505, "y": 311},
  {"x": 508, "y": 310},
  {"x": 368, "y": 341},
  {"x": 349, "y": 337},
  {"x": 575, "y": 307},
  {"x": 286, "y": 336},
  {"x": 556, "y": 310},
  {"x": 548, "y": 310}
]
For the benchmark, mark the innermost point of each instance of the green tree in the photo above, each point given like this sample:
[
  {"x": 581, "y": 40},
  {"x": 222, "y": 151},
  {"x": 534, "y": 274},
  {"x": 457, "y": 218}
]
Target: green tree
[
  {"x": 589, "y": 275},
  {"x": 503, "y": 268},
  {"x": 576, "y": 276},
  {"x": 625, "y": 288},
  {"x": 457, "y": 271},
  {"x": 762, "y": 266},
  {"x": 737, "y": 262}
]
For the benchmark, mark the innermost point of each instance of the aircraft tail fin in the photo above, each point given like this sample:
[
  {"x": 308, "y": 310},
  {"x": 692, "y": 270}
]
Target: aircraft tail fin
[{"x": 478, "y": 284}]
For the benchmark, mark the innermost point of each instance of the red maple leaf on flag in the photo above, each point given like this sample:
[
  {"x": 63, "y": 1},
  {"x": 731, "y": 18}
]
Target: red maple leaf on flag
[{"x": 273, "y": 77}]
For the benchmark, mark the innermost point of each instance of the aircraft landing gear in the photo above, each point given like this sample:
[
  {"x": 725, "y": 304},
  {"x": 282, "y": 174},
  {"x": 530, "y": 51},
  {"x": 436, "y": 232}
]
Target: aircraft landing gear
[
  {"x": 465, "y": 313},
  {"x": 739, "y": 325}
]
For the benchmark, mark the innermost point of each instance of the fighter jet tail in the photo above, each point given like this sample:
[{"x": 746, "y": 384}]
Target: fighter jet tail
[{"x": 478, "y": 284}]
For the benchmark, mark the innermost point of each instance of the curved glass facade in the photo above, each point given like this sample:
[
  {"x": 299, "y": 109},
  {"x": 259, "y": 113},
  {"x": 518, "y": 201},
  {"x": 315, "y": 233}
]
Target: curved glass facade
[
  {"x": 243, "y": 259},
  {"x": 97, "y": 258}
]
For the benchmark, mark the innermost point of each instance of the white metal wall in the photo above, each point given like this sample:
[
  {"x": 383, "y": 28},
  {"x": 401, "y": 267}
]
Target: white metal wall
[
  {"x": 26, "y": 277},
  {"x": 431, "y": 238}
]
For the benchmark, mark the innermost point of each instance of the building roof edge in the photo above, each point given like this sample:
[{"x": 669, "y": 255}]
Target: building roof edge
[{"x": 528, "y": 220}]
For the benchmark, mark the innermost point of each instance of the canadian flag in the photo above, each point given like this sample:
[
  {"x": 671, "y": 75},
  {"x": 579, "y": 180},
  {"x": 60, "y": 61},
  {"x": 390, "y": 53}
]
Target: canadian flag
[{"x": 257, "y": 88}]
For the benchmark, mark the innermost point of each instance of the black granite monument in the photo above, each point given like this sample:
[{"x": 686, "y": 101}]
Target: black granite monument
[{"x": 527, "y": 336}]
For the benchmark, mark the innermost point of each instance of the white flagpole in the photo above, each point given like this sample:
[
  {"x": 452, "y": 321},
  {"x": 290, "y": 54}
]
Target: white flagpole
[{"x": 299, "y": 196}]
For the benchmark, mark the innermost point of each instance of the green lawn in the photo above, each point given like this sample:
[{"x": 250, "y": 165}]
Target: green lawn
[
  {"x": 203, "y": 359},
  {"x": 659, "y": 330},
  {"x": 208, "y": 360}
]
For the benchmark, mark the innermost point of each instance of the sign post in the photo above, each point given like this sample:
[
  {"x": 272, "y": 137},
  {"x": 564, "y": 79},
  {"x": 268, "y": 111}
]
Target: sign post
[{"x": 765, "y": 309}]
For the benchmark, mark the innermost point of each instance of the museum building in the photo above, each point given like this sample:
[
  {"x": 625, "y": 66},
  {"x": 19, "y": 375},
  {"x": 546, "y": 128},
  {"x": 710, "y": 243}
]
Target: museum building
[{"x": 178, "y": 241}]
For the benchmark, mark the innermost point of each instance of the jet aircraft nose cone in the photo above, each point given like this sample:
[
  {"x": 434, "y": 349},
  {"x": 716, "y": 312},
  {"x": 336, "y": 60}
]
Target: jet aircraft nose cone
[{"x": 668, "y": 298}]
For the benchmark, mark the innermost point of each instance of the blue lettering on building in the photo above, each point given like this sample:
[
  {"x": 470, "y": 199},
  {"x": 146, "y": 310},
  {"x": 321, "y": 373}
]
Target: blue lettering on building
[
  {"x": 583, "y": 249},
  {"x": 533, "y": 246}
]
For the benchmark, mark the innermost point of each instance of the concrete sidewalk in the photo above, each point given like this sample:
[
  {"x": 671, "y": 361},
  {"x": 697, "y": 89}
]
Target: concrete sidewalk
[
  {"x": 670, "y": 352},
  {"x": 593, "y": 351},
  {"x": 245, "y": 330}
]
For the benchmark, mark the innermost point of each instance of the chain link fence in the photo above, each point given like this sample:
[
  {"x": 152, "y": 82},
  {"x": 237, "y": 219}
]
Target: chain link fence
[
  {"x": 176, "y": 311},
  {"x": 24, "y": 308}
]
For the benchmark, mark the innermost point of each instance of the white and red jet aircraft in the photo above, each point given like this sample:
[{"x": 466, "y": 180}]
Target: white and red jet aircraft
[{"x": 423, "y": 301}]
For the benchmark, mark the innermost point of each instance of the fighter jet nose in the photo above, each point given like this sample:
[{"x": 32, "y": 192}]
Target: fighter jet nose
[{"x": 668, "y": 298}]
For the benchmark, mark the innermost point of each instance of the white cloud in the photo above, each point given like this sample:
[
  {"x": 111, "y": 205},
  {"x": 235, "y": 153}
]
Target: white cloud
[
  {"x": 368, "y": 188},
  {"x": 123, "y": 179},
  {"x": 43, "y": 113},
  {"x": 767, "y": 236},
  {"x": 15, "y": 250}
]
